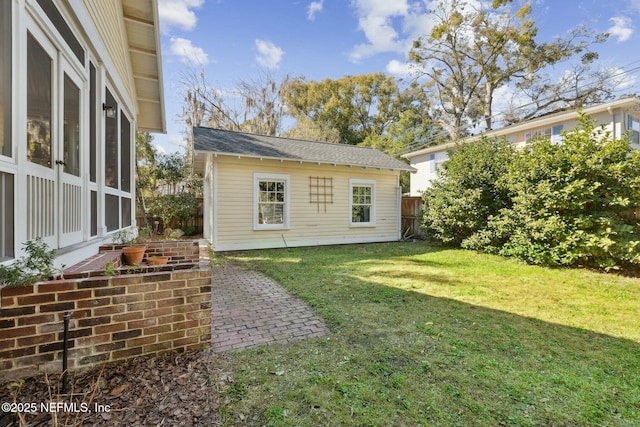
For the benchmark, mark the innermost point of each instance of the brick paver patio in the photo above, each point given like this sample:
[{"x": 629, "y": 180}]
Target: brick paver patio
[{"x": 250, "y": 309}]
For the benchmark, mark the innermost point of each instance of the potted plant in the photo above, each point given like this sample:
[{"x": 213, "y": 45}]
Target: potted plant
[
  {"x": 133, "y": 249},
  {"x": 158, "y": 260}
]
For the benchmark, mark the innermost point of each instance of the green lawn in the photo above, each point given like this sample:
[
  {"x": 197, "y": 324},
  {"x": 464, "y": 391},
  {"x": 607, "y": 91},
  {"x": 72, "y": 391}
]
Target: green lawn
[{"x": 431, "y": 336}]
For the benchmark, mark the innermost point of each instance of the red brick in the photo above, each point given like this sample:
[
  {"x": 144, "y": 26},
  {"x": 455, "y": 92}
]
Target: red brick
[
  {"x": 170, "y": 336},
  {"x": 118, "y": 336},
  {"x": 123, "y": 354},
  {"x": 160, "y": 277},
  {"x": 157, "y": 295},
  {"x": 7, "y": 301},
  {"x": 15, "y": 312},
  {"x": 102, "y": 282},
  {"x": 6, "y": 344},
  {"x": 170, "y": 319},
  {"x": 152, "y": 348},
  {"x": 92, "y": 340},
  {"x": 94, "y": 321},
  {"x": 105, "y": 329},
  {"x": 110, "y": 346},
  {"x": 186, "y": 341},
  {"x": 125, "y": 317},
  {"x": 186, "y": 274},
  {"x": 173, "y": 284},
  {"x": 144, "y": 323},
  {"x": 155, "y": 330},
  {"x": 20, "y": 290},
  {"x": 58, "y": 286},
  {"x": 147, "y": 305},
  {"x": 6, "y": 364},
  {"x": 142, "y": 341},
  {"x": 90, "y": 360},
  {"x": 76, "y": 295},
  {"x": 36, "y": 299},
  {"x": 109, "y": 309},
  {"x": 170, "y": 302},
  {"x": 202, "y": 330},
  {"x": 18, "y": 332},
  {"x": 157, "y": 312},
  {"x": 199, "y": 298},
  {"x": 95, "y": 302},
  {"x": 124, "y": 299},
  {"x": 34, "y": 360},
  {"x": 17, "y": 352},
  {"x": 126, "y": 280},
  {"x": 186, "y": 308},
  {"x": 142, "y": 288},
  {"x": 36, "y": 339},
  {"x": 112, "y": 290},
  {"x": 185, "y": 325},
  {"x": 50, "y": 327}
]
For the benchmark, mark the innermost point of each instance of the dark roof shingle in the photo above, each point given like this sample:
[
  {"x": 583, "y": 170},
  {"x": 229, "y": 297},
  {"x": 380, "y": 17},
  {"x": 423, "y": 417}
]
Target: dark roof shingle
[{"x": 225, "y": 142}]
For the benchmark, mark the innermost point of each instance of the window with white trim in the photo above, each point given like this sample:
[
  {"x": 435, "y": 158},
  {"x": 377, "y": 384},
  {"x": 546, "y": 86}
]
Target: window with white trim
[
  {"x": 271, "y": 201},
  {"x": 362, "y": 203}
]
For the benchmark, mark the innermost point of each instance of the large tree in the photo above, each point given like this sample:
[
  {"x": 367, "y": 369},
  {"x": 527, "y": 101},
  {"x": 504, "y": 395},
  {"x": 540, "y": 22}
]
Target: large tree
[
  {"x": 471, "y": 52},
  {"x": 357, "y": 107}
]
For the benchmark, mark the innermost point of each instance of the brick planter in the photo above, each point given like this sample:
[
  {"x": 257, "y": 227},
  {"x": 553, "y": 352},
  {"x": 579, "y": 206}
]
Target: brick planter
[{"x": 112, "y": 319}]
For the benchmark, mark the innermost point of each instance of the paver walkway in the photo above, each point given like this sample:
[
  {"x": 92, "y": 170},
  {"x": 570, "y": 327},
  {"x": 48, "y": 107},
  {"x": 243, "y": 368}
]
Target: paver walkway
[{"x": 250, "y": 309}]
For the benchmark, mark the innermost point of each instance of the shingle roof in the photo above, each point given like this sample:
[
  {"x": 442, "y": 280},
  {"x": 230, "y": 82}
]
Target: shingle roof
[{"x": 225, "y": 142}]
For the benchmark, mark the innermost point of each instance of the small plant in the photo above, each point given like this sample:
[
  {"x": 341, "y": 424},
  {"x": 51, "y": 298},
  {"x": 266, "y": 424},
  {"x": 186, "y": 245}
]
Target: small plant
[
  {"x": 35, "y": 266},
  {"x": 109, "y": 270}
]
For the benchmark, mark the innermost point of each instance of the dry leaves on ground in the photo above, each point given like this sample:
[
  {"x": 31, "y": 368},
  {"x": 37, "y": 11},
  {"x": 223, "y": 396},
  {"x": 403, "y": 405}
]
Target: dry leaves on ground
[{"x": 176, "y": 389}]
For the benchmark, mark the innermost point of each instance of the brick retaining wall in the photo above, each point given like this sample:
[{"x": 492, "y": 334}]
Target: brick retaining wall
[
  {"x": 180, "y": 251},
  {"x": 112, "y": 319}
]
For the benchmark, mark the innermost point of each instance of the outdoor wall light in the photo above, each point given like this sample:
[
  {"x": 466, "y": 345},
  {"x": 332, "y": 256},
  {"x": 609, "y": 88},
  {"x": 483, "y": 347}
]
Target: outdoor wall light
[{"x": 111, "y": 111}]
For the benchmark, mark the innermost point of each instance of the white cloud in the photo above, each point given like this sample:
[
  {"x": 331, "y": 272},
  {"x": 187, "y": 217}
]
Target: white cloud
[
  {"x": 375, "y": 20},
  {"x": 621, "y": 28},
  {"x": 269, "y": 55},
  {"x": 187, "y": 52},
  {"x": 314, "y": 8},
  {"x": 400, "y": 69},
  {"x": 178, "y": 13}
]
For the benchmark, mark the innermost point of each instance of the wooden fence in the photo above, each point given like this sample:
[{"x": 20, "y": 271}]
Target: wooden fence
[
  {"x": 411, "y": 217},
  {"x": 196, "y": 220}
]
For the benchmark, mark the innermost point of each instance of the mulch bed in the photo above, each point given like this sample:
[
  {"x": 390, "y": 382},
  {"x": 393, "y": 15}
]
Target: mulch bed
[{"x": 176, "y": 389}]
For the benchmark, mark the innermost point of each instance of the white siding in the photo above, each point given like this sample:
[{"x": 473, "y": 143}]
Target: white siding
[{"x": 309, "y": 224}]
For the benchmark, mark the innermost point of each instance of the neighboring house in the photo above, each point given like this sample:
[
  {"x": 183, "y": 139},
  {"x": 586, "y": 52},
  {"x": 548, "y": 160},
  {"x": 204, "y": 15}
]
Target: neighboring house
[
  {"x": 267, "y": 192},
  {"x": 618, "y": 117},
  {"x": 77, "y": 78}
]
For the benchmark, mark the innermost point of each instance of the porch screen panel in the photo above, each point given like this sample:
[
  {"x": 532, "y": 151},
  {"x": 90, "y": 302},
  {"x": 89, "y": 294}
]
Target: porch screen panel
[
  {"x": 93, "y": 105},
  {"x": 111, "y": 145},
  {"x": 125, "y": 152},
  {"x": 39, "y": 85},
  {"x": 71, "y": 127},
  {"x": 5, "y": 79},
  {"x": 6, "y": 216},
  {"x": 126, "y": 212},
  {"x": 112, "y": 212},
  {"x": 94, "y": 213}
]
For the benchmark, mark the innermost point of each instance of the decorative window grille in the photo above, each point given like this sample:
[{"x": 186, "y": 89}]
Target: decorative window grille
[{"x": 321, "y": 191}]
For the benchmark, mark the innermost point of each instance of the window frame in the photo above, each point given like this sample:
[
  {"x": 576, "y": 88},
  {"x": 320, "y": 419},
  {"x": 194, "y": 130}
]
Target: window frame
[
  {"x": 353, "y": 183},
  {"x": 262, "y": 177}
]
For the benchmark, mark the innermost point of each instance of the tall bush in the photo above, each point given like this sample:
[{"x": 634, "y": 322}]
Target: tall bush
[
  {"x": 558, "y": 204},
  {"x": 465, "y": 195}
]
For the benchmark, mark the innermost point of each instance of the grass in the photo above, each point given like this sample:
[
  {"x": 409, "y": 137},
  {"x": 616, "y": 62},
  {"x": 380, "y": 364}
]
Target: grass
[{"x": 432, "y": 336}]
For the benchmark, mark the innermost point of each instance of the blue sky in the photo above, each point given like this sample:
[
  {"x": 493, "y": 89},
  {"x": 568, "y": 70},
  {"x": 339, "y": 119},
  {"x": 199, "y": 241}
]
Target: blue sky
[{"x": 238, "y": 39}]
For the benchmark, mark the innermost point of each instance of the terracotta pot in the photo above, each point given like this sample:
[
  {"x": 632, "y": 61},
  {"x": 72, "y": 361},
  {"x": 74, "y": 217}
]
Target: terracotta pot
[
  {"x": 158, "y": 260},
  {"x": 133, "y": 254}
]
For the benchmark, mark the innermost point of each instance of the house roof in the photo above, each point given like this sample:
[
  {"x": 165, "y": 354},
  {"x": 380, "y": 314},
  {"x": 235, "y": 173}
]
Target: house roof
[
  {"x": 544, "y": 121},
  {"x": 238, "y": 144},
  {"x": 141, "y": 24}
]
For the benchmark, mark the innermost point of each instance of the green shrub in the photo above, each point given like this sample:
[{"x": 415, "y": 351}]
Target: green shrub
[
  {"x": 465, "y": 195},
  {"x": 555, "y": 204},
  {"x": 35, "y": 266}
]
